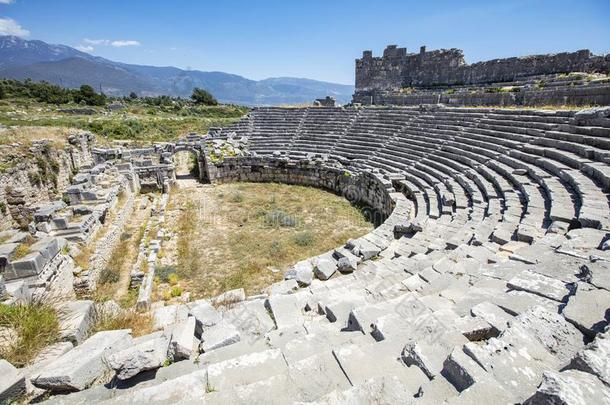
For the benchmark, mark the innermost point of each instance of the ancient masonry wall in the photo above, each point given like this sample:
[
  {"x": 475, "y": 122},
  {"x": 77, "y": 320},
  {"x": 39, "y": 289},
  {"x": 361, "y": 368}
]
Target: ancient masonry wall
[
  {"x": 87, "y": 280},
  {"x": 397, "y": 68},
  {"x": 363, "y": 188},
  {"x": 576, "y": 96},
  {"x": 35, "y": 174}
]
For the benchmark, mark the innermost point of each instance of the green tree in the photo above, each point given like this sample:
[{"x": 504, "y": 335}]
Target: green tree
[
  {"x": 87, "y": 95},
  {"x": 201, "y": 96},
  {"x": 2, "y": 92},
  {"x": 133, "y": 95}
]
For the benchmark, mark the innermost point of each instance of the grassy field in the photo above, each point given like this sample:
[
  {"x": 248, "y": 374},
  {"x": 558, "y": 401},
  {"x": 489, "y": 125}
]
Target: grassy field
[
  {"x": 247, "y": 234},
  {"x": 138, "y": 122}
]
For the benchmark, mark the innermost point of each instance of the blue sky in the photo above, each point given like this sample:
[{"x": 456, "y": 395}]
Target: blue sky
[{"x": 314, "y": 39}]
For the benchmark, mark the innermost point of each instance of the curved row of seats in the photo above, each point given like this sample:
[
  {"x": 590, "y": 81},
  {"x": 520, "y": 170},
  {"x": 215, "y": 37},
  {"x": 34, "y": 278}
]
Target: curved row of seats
[{"x": 488, "y": 283}]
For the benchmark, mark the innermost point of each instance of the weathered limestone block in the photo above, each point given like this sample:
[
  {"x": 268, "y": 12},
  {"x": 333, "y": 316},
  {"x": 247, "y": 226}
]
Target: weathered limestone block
[
  {"x": 595, "y": 358},
  {"x": 462, "y": 371},
  {"x": 205, "y": 315},
  {"x": 424, "y": 356},
  {"x": 551, "y": 329},
  {"x": 325, "y": 268},
  {"x": 545, "y": 286},
  {"x": 75, "y": 319},
  {"x": 588, "y": 310},
  {"x": 12, "y": 383},
  {"x": 303, "y": 272},
  {"x": 219, "y": 335},
  {"x": 347, "y": 265},
  {"x": 78, "y": 368},
  {"x": 183, "y": 341},
  {"x": 492, "y": 314},
  {"x": 166, "y": 316},
  {"x": 570, "y": 387},
  {"x": 147, "y": 352}
]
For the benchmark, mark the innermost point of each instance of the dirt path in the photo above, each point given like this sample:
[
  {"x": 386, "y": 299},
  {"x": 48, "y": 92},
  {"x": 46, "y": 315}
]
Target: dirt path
[{"x": 138, "y": 219}]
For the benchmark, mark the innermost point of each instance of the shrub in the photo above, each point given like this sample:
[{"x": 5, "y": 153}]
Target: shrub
[
  {"x": 275, "y": 248},
  {"x": 109, "y": 275},
  {"x": 173, "y": 279},
  {"x": 278, "y": 218},
  {"x": 35, "y": 178},
  {"x": 165, "y": 273},
  {"x": 237, "y": 197},
  {"x": 176, "y": 291},
  {"x": 37, "y": 326},
  {"x": 23, "y": 249},
  {"x": 304, "y": 239}
]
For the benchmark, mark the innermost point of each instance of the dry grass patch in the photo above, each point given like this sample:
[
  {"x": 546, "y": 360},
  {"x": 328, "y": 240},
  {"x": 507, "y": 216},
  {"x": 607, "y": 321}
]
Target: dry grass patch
[
  {"x": 27, "y": 134},
  {"x": 139, "y": 323},
  {"x": 36, "y": 326},
  {"x": 246, "y": 234}
]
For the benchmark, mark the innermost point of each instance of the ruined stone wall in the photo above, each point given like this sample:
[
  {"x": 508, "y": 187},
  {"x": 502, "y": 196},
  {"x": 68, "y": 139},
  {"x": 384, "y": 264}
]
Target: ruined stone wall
[
  {"x": 573, "y": 96},
  {"x": 364, "y": 188},
  {"x": 35, "y": 174},
  {"x": 397, "y": 68}
]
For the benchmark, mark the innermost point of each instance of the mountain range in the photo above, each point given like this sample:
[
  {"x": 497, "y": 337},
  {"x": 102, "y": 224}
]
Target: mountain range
[{"x": 69, "y": 67}]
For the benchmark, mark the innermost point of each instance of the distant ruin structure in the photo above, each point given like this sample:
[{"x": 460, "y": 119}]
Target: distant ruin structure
[
  {"x": 399, "y": 77},
  {"x": 327, "y": 101}
]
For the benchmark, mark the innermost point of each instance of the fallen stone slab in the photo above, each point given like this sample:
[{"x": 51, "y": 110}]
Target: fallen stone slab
[
  {"x": 545, "y": 286},
  {"x": 219, "y": 335},
  {"x": 516, "y": 302},
  {"x": 347, "y": 265},
  {"x": 325, "y": 268},
  {"x": 570, "y": 387},
  {"x": 205, "y": 315},
  {"x": 147, "y": 352},
  {"x": 286, "y": 310},
  {"x": 551, "y": 329},
  {"x": 462, "y": 371},
  {"x": 594, "y": 358},
  {"x": 303, "y": 273},
  {"x": 588, "y": 310},
  {"x": 183, "y": 341},
  {"x": 169, "y": 315},
  {"x": 424, "y": 356},
  {"x": 75, "y": 319},
  {"x": 513, "y": 356},
  {"x": 492, "y": 314},
  {"x": 474, "y": 328},
  {"x": 12, "y": 383},
  {"x": 78, "y": 368},
  {"x": 282, "y": 287}
]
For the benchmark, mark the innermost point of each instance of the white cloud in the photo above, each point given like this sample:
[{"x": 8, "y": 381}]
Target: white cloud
[
  {"x": 6, "y": 1},
  {"x": 85, "y": 48},
  {"x": 124, "y": 42},
  {"x": 119, "y": 43},
  {"x": 96, "y": 41},
  {"x": 8, "y": 26}
]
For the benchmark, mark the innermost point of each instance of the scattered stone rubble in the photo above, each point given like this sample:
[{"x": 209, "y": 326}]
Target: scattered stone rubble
[{"x": 486, "y": 279}]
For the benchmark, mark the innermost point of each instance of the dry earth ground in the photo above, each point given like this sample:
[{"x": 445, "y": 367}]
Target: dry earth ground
[{"x": 247, "y": 234}]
